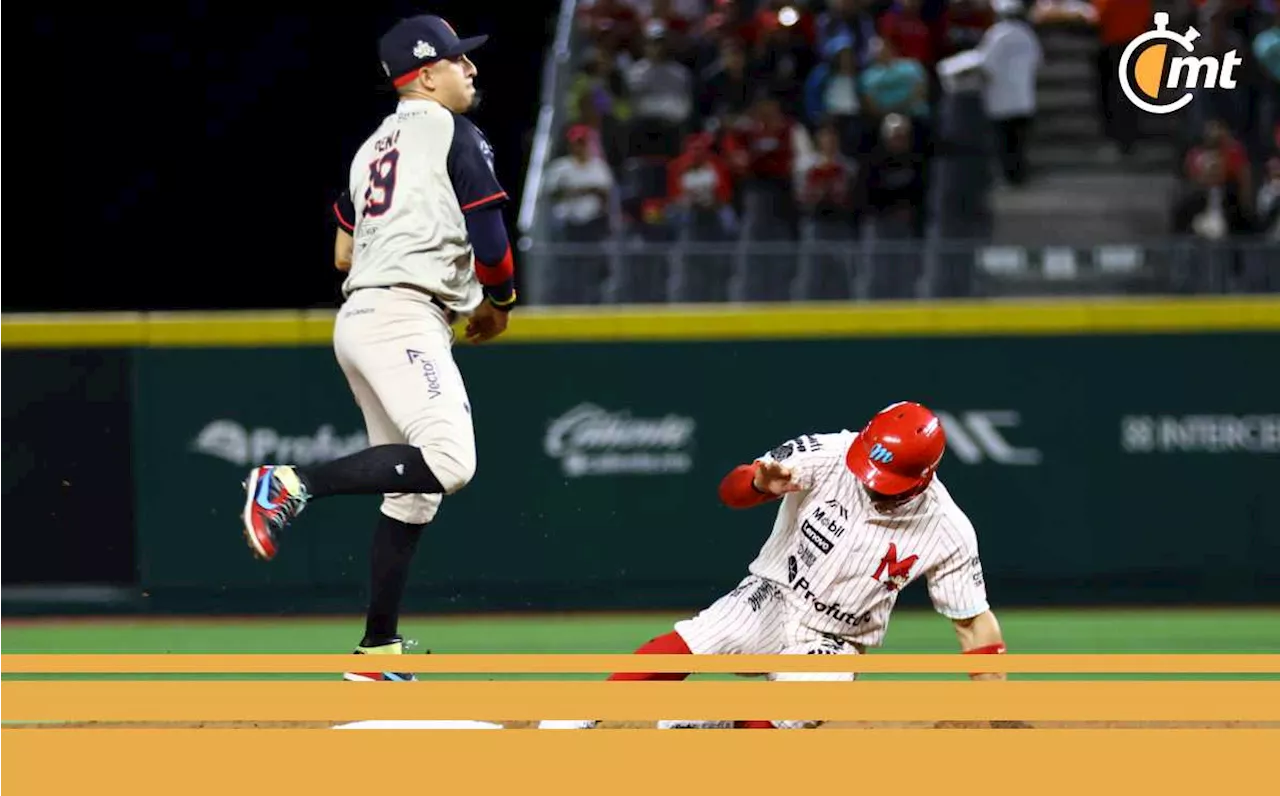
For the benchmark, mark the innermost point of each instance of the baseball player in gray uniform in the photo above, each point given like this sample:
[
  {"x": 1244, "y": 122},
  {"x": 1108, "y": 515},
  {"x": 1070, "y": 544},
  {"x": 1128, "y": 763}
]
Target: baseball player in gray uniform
[{"x": 421, "y": 236}]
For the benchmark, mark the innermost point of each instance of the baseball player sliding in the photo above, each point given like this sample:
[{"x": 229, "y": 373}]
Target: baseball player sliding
[
  {"x": 421, "y": 235},
  {"x": 860, "y": 516}
]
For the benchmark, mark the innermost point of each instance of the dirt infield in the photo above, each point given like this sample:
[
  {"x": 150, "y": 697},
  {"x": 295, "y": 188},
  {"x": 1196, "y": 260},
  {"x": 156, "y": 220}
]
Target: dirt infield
[{"x": 526, "y": 725}]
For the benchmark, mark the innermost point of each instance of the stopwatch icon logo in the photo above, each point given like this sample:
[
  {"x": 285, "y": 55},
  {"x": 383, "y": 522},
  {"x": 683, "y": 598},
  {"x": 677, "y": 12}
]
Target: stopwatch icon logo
[{"x": 1155, "y": 66}]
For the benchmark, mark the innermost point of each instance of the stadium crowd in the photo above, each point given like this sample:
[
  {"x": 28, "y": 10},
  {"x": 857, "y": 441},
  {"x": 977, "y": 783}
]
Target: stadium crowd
[
  {"x": 774, "y": 122},
  {"x": 1230, "y": 164}
]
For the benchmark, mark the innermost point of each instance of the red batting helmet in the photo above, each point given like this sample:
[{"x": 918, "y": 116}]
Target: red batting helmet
[{"x": 899, "y": 449}]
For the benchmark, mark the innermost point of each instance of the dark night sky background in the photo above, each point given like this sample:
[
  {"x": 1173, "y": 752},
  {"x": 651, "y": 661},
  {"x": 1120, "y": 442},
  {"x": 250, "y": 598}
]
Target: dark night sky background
[{"x": 185, "y": 157}]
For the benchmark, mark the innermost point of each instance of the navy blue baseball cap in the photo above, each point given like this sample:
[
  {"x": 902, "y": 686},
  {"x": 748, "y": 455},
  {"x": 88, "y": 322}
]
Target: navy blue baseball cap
[{"x": 415, "y": 42}]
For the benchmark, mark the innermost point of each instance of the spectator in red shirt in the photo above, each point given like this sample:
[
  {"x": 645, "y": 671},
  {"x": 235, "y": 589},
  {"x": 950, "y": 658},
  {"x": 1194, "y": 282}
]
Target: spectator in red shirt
[
  {"x": 1229, "y": 156},
  {"x": 763, "y": 151},
  {"x": 699, "y": 178},
  {"x": 1211, "y": 206},
  {"x": 700, "y": 195},
  {"x": 910, "y": 34},
  {"x": 830, "y": 196},
  {"x": 827, "y": 183}
]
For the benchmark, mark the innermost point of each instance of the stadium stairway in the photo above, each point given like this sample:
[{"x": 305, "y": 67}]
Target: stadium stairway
[{"x": 1082, "y": 192}]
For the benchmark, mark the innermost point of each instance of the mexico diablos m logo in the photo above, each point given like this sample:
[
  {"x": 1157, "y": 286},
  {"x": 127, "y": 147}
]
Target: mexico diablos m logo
[{"x": 896, "y": 571}]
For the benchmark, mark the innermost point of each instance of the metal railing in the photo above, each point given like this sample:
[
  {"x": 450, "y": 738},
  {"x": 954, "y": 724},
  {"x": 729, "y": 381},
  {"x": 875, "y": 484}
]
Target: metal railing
[
  {"x": 662, "y": 272},
  {"x": 558, "y": 60}
]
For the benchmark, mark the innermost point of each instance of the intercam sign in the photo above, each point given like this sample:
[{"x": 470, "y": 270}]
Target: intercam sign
[{"x": 1157, "y": 67}]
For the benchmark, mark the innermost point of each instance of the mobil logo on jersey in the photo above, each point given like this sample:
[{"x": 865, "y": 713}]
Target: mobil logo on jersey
[
  {"x": 1159, "y": 70},
  {"x": 589, "y": 439}
]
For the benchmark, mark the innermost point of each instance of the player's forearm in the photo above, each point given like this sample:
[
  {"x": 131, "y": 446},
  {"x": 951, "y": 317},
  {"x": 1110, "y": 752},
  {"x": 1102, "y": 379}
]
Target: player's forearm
[
  {"x": 978, "y": 632},
  {"x": 343, "y": 245},
  {"x": 981, "y": 635},
  {"x": 495, "y": 265},
  {"x": 739, "y": 491}
]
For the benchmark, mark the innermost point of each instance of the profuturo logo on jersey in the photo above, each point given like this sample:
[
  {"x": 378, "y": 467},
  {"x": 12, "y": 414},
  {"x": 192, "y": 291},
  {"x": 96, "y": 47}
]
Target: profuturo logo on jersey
[
  {"x": 232, "y": 442},
  {"x": 591, "y": 440},
  {"x": 1148, "y": 67}
]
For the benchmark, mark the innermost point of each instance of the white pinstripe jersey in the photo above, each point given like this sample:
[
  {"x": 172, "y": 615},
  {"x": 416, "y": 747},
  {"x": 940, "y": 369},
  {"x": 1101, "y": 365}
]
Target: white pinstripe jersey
[{"x": 842, "y": 563}]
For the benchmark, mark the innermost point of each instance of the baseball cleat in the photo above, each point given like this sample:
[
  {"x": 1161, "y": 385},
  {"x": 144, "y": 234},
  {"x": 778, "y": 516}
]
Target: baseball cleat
[
  {"x": 273, "y": 497},
  {"x": 396, "y": 647}
]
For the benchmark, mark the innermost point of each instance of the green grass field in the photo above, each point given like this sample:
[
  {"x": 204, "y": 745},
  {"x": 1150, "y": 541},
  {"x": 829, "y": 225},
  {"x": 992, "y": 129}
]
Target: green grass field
[{"x": 1058, "y": 631}]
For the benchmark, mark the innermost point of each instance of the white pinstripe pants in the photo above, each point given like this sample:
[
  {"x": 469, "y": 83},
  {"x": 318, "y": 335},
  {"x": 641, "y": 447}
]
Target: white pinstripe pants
[{"x": 756, "y": 618}]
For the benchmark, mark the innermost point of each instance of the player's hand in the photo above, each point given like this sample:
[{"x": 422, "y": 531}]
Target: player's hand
[
  {"x": 774, "y": 479},
  {"x": 486, "y": 323}
]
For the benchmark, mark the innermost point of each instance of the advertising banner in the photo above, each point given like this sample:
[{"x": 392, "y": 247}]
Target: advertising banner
[{"x": 1105, "y": 468}]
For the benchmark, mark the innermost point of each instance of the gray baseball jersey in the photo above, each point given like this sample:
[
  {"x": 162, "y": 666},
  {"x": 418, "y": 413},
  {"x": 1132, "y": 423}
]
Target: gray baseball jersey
[{"x": 411, "y": 184}]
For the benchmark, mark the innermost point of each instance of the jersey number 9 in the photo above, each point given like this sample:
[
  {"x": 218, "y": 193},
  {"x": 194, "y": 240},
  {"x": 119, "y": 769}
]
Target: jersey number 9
[{"x": 382, "y": 184}]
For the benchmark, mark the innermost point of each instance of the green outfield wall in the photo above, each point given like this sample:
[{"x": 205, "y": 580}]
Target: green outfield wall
[{"x": 1112, "y": 452}]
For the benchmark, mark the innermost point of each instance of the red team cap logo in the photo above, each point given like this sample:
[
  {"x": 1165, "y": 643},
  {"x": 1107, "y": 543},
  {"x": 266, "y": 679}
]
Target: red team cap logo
[{"x": 898, "y": 450}]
